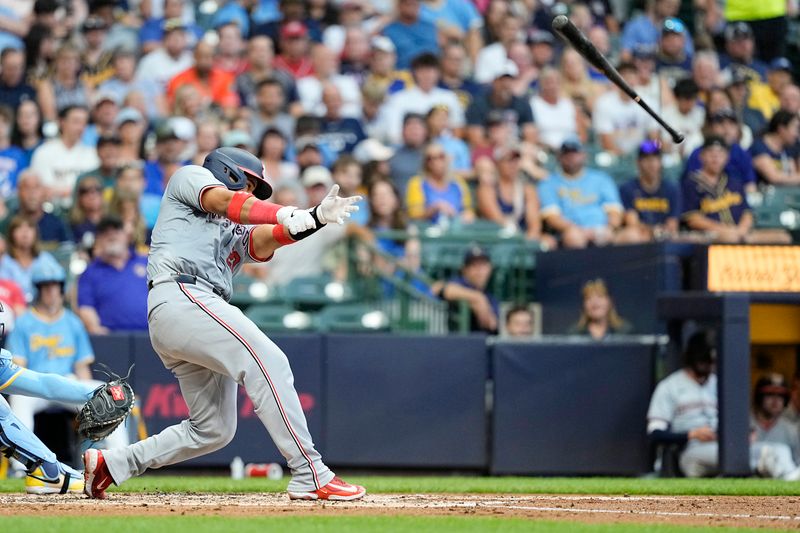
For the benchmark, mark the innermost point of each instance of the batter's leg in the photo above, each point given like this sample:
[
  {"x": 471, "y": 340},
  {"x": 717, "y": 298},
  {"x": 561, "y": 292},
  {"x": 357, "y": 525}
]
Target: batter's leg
[
  {"x": 225, "y": 340},
  {"x": 211, "y": 399}
]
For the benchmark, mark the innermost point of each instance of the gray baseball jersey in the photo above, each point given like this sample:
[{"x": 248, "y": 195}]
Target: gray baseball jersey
[
  {"x": 680, "y": 403},
  {"x": 781, "y": 431},
  {"x": 189, "y": 240},
  {"x": 210, "y": 346}
]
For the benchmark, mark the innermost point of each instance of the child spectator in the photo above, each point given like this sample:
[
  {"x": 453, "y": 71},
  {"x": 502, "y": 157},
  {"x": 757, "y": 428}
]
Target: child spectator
[
  {"x": 435, "y": 194},
  {"x": 599, "y": 318},
  {"x": 519, "y": 322}
]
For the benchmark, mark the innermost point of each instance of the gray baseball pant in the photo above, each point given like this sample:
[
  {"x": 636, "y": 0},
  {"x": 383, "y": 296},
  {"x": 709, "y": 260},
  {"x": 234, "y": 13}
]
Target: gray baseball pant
[{"x": 211, "y": 347}]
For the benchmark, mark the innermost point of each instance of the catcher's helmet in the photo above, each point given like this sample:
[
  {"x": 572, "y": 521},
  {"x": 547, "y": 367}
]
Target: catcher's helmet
[
  {"x": 232, "y": 166},
  {"x": 6, "y": 321},
  {"x": 771, "y": 384}
]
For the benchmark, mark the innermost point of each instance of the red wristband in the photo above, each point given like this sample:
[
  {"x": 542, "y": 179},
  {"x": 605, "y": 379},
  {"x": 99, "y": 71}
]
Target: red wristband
[
  {"x": 280, "y": 236},
  {"x": 234, "y": 212},
  {"x": 263, "y": 212}
]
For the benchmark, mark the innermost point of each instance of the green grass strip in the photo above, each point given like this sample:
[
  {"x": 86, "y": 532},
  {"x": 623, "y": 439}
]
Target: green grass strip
[
  {"x": 462, "y": 484},
  {"x": 339, "y": 524}
]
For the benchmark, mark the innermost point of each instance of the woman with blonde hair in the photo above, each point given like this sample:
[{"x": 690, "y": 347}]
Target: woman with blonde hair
[
  {"x": 576, "y": 83},
  {"x": 435, "y": 194},
  {"x": 599, "y": 317},
  {"x": 63, "y": 88}
]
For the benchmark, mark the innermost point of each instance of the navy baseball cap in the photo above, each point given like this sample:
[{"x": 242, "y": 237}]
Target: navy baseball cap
[
  {"x": 645, "y": 51},
  {"x": 723, "y": 114},
  {"x": 715, "y": 141},
  {"x": 475, "y": 254},
  {"x": 781, "y": 63},
  {"x": 649, "y": 147},
  {"x": 738, "y": 30},
  {"x": 571, "y": 144}
]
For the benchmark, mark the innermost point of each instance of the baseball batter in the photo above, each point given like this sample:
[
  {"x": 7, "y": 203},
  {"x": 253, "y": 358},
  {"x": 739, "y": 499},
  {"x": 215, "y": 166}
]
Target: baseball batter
[{"x": 212, "y": 220}]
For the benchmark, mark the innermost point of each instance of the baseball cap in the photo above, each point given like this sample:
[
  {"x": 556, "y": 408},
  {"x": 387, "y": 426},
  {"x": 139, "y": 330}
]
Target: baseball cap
[
  {"x": 304, "y": 142},
  {"x": 383, "y": 43},
  {"x": 495, "y": 117},
  {"x": 184, "y": 127},
  {"x": 723, "y": 114},
  {"x": 537, "y": 36},
  {"x": 108, "y": 139},
  {"x": 105, "y": 96},
  {"x": 507, "y": 68},
  {"x": 372, "y": 150},
  {"x": 128, "y": 114},
  {"x": 738, "y": 30},
  {"x": 165, "y": 132},
  {"x": 645, "y": 51},
  {"x": 316, "y": 175},
  {"x": 715, "y": 141},
  {"x": 237, "y": 138},
  {"x": 781, "y": 63},
  {"x": 293, "y": 30},
  {"x": 474, "y": 254},
  {"x": 673, "y": 25},
  {"x": 502, "y": 152},
  {"x": 571, "y": 144},
  {"x": 649, "y": 147},
  {"x": 738, "y": 77},
  {"x": 94, "y": 23},
  {"x": 172, "y": 24}
]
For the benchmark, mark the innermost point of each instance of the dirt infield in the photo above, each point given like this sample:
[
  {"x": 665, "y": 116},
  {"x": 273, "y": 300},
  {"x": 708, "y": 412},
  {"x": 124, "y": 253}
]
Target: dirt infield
[{"x": 750, "y": 511}]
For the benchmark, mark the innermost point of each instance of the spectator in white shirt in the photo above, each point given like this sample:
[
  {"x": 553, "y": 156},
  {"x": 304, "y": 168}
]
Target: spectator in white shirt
[
  {"x": 556, "y": 116},
  {"x": 495, "y": 54},
  {"x": 618, "y": 121},
  {"x": 687, "y": 116},
  {"x": 59, "y": 161},
  {"x": 421, "y": 98},
  {"x": 164, "y": 63}
]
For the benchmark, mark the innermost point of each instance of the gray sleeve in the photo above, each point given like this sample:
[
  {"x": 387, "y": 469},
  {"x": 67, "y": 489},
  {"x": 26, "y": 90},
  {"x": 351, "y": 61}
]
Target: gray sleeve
[
  {"x": 662, "y": 407},
  {"x": 188, "y": 183}
]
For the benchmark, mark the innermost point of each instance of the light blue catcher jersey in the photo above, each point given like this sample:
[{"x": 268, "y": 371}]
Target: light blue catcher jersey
[{"x": 50, "y": 346}]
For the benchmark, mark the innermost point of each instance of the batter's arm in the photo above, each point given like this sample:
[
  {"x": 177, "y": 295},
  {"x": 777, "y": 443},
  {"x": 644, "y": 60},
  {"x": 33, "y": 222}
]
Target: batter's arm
[{"x": 263, "y": 242}]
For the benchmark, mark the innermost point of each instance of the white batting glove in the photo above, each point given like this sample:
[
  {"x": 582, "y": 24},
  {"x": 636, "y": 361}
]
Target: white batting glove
[
  {"x": 295, "y": 220},
  {"x": 334, "y": 208}
]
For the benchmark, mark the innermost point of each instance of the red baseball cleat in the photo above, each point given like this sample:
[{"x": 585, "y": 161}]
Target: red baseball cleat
[
  {"x": 336, "y": 490},
  {"x": 96, "y": 476}
]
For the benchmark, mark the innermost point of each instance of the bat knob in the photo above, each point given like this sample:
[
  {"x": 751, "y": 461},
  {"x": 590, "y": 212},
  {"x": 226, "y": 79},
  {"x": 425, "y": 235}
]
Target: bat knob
[
  {"x": 559, "y": 22},
  {"x": 677, "y": 137}
]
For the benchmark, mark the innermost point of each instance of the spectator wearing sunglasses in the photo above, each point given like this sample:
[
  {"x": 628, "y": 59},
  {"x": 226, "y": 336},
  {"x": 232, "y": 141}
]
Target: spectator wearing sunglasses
[
  {"x": 87, "y": 209},
  {"x": 652, "y": 205}
]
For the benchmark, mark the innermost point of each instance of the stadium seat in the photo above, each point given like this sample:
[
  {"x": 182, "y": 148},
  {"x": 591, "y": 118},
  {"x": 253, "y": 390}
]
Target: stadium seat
[
  {"x": 316, "y": 292},
  {"x": 355, "y": 317},
  {"x": 280, "y": 318}
]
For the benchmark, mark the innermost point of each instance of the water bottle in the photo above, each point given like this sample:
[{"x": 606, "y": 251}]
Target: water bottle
[
  {"x": 267, "y": 470},
  {"x": 237, "y": 468}
]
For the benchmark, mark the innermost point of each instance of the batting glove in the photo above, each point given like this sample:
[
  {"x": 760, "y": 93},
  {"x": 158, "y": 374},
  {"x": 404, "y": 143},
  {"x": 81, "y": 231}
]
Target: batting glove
[
  {"x": 334, "y": 208},
  {"x": 295, "y": 220}
]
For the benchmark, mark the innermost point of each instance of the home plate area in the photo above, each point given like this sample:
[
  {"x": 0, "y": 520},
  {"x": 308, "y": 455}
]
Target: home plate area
[{"x": 741, "y": 511}]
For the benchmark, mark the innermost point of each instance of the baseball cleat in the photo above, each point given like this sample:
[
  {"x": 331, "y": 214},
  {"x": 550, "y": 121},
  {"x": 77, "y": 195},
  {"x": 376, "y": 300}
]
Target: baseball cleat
[
  {"x": 336, "y": 490},
  {"x": 68, "y": 482},
  {"x": 96, "y": 476}
]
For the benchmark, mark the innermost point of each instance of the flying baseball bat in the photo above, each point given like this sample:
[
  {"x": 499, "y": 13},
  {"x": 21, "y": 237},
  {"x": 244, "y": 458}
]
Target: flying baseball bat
[{"x": 570, "y": 33}]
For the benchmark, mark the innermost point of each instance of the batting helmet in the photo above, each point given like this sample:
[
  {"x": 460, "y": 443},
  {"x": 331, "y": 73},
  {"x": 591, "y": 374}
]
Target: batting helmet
[
  {"x": 771, "y": 384},
  {"x": 232, "y": 166}
]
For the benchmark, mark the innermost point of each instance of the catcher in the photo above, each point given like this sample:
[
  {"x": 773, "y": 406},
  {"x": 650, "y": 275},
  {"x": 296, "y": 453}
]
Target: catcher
[{"x": 104, "y": 409}]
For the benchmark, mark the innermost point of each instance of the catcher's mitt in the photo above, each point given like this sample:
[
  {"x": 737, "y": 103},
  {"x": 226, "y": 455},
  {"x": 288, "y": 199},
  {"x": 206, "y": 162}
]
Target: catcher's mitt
[{"x": 108, "y": 407}]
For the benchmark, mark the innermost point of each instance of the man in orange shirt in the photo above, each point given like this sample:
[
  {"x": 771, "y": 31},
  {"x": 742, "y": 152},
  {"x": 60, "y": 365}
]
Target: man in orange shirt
[{"x": 215, "y": 85}]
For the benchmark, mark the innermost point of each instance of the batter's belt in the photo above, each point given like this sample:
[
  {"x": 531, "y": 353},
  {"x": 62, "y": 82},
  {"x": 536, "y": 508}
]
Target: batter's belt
[{"x": 183, "y": 278}]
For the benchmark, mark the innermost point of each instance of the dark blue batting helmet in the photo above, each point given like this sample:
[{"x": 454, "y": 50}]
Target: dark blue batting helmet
[{"x": 232, "y": 166}]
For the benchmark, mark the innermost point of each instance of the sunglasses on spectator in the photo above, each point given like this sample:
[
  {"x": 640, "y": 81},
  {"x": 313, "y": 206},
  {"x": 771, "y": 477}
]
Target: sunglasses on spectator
[
  {"x": 87, "y": 190},
  {"x": 432, "y": 157}
]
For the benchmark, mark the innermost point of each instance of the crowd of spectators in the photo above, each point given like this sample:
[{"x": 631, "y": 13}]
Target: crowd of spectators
[{"x": 439, "y": 111}]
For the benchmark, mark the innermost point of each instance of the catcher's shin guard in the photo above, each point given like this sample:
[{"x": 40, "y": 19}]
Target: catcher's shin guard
[{"x": 19, "y": 442}]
